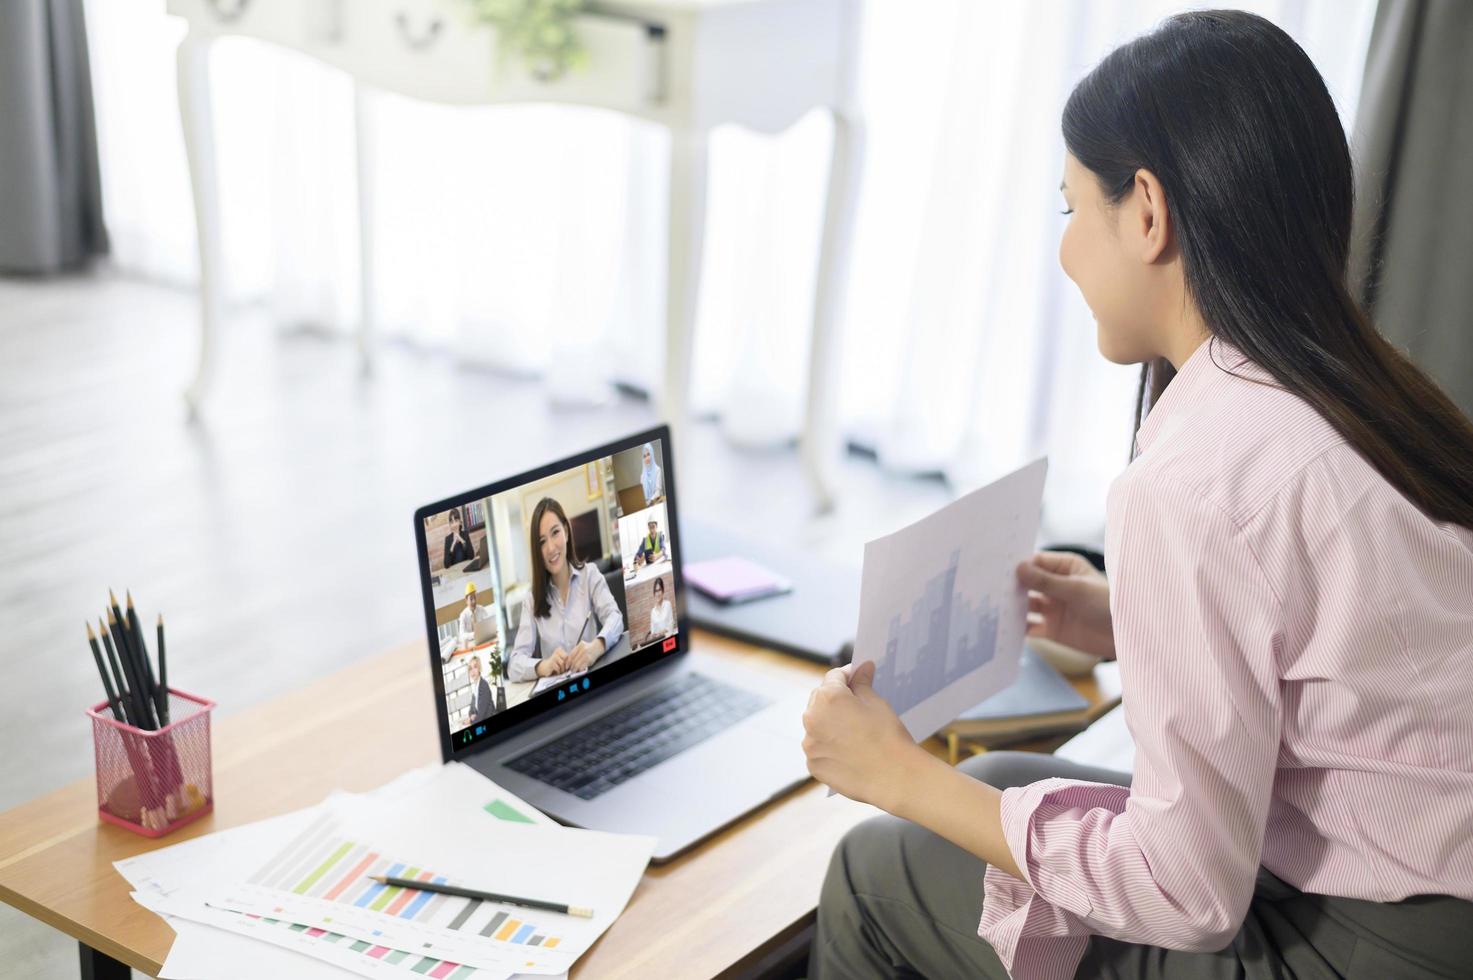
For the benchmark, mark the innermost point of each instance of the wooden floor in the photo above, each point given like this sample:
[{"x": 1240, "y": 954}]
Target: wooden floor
[{"x": 275, "y": 535}]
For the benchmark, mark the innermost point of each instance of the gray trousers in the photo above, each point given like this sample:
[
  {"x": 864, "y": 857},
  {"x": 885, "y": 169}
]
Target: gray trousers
[{"x": 901, "y": 902}]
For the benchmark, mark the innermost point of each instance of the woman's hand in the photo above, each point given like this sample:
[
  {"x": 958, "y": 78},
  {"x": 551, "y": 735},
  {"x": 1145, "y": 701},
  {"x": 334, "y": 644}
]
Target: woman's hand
[
  {"x": 585, "y": 654},
  {"x": 1068, "y": 602},
  {"x": 855, "y": 743},
  {"x": 555, "y": 664}
]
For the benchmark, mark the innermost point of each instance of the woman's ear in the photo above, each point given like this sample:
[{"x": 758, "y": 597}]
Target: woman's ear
[{"x": 1150, "y": 217}]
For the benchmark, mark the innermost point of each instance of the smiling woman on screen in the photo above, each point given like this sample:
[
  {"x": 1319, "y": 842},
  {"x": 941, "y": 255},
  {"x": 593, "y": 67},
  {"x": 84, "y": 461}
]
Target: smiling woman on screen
[
  {"x": 662, "y": 613},
  {"x": 569, "y": 619},
  {"x": 1290, "y": 594}
]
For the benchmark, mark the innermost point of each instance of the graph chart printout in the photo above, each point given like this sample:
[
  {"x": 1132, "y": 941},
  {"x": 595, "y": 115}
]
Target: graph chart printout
[
  {"x": 173, "y": 881},
  {"x": 444, "y": 828},
  {"x": 940, "y": 611},
  {"x": 322, "y": 878}
]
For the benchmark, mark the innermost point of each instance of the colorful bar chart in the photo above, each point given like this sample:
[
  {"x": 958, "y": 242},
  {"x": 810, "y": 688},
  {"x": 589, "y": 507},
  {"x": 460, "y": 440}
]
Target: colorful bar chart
[
  {"x": 412, "y": 963},
  {"x": 322, "y": 864}
]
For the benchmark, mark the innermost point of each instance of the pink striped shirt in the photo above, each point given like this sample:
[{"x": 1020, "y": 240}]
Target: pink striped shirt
[{"x": 1296, "y": 650}]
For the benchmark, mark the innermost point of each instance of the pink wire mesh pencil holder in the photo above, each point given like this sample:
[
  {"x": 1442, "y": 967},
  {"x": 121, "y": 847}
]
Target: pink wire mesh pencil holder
[{"x": 153, "y": 783}]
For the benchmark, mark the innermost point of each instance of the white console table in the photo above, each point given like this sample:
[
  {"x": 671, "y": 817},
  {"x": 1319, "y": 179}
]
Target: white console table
[{"x": 689, "y": 65}]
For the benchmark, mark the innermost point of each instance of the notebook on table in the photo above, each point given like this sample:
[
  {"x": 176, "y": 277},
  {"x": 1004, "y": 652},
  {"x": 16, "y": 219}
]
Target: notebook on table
[
  {"x": 1040, "y": 702},
  {"x": 735, "y": 579}
]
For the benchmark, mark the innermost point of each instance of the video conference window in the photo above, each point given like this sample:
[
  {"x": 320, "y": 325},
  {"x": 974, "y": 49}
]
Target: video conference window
[{"x": 538, "y": 585}]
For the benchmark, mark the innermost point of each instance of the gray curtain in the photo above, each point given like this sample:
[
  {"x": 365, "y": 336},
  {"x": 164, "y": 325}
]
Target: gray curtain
[
  {"x": 50, "y": 200},
  {"x": 1412, "y": 250}
]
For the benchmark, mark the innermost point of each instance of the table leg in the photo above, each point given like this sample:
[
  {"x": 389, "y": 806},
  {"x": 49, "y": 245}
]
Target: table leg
[
  {"x": 100, "y": 966},
  {"x": 193, "y": 71},
  {"x": 820, "y": 441},
  {"x": 688, "y": 152}
]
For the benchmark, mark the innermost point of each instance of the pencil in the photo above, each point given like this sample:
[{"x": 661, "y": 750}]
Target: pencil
[
  {"x": 163, "y": 672},
  {"x": 531, "y": 903},
  {"x": 176, "y": 772},
  {"x": 142, "y": 717},
  {"x": 121, "y": 639},
  {"x": 125, "y": 696},
  {"x": 112, "y": 601},
  {"x": 107, "y": 685},
  {"x": 140, "y": 649}
]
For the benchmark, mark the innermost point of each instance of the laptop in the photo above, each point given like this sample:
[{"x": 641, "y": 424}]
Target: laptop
[
  {"x": 601, "y": 715},
  {"x": 480, "y": 561}
]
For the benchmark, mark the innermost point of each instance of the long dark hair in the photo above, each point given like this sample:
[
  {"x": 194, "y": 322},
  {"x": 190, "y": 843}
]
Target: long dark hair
[
  {"x": 1234, "y": 120},
  {"x": 541, "y": 604}
]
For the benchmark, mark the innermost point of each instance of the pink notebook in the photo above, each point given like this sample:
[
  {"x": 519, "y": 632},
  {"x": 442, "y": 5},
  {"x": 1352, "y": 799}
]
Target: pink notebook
[{"x": 735, "y": 579}]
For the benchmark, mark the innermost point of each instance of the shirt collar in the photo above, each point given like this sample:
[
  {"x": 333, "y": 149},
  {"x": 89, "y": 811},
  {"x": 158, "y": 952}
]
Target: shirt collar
[
  {"x": 1210, "y": 365},
  {"x": 575, "y": 574}
]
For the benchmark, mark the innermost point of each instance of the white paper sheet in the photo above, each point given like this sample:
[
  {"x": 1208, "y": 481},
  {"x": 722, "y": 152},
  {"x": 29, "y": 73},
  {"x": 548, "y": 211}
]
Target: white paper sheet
[
  {"x": 941, "y": 611},
  {"x": 204, "y": 952},
  {"x": 1106, "y": 743},
  {"x": 251, "y": 948},
  {"x": 201, "y": 951},
  {"x": 579, "y": 867},
  {"x": 174, "y": 881}
]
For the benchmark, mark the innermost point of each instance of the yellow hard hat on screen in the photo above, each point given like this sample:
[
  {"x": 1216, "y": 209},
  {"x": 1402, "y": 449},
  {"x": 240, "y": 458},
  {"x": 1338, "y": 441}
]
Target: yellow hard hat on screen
[{"x": 470, "y": 587}]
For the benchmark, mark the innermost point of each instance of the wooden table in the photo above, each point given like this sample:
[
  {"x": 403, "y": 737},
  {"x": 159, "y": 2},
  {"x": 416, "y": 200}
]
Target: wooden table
[{"x": 726, "y": 907}]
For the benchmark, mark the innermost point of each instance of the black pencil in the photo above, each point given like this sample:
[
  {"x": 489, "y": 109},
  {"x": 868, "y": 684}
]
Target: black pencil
[
  {"x": 163, "y": 672},
  {"x": 125, "y": 696},
  {"x": 141, "y": 649},
  {"x": 531, "y": 903},
  {"x": 128, "y": 640},
  {"x": 120, "y": 636},
  {"x": 175, "y": 775},
  {"x": 142, "y": 717},
  {"x": 130, "y": 676},
  {"x": 107, "y": 684}
]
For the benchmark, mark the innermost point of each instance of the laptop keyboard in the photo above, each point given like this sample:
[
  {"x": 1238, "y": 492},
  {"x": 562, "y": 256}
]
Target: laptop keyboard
[{"x": 592, "y": 760}]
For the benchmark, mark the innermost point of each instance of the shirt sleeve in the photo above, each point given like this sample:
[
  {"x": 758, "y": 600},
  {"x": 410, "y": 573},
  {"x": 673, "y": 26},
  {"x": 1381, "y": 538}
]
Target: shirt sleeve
[
  {"x": 603, "y": 603},
  {"x": 520, "y": 665},
  {"x": 1172, "y": 861}
]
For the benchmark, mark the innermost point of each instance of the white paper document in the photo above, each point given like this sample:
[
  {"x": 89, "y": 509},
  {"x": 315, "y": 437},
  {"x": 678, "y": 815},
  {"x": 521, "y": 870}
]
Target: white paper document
[
  {"x": 448, "y": 803},
  {"x": 206, "y": 951},
  {"x": 319, "y": 879},
  {"x": 941, "y": 611}
]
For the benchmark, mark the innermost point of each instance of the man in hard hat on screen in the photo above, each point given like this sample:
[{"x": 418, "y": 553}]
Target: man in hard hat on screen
[{"x": 477, "y": 625}]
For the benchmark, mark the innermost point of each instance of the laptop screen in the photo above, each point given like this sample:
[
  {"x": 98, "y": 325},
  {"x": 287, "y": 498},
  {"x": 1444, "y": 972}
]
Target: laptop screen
[{"x": 543, "y": 588}]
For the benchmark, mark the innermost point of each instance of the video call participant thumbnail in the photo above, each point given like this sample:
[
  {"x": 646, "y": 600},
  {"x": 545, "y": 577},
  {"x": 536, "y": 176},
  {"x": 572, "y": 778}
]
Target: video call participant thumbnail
[
  {"x": 569, "y": 618},
  {"x": 483, "y": 702},
  {"x": 652, "y": 545},
  {"x": 457, "y": 546},
  {"x": 651, "y": 475},
  {"x": 473, "y": 619},
  {"x": 662, "y": 613}
]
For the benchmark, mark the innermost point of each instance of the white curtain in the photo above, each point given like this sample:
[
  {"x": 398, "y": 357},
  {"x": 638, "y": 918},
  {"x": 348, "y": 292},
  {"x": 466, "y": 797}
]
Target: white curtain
[{"x": 531, "y": 238}]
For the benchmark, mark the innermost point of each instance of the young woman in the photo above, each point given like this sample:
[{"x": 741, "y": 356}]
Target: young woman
[
  {"x": 662, "y": 613},
  {"x": 457, "y": 544},
  {"x": 651, "y": 476},
  {"x": 569, "y": 618},
  {"x": 1290, "y": 594}
]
